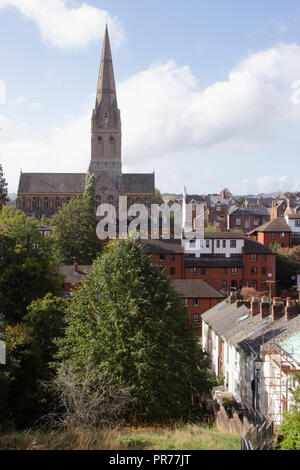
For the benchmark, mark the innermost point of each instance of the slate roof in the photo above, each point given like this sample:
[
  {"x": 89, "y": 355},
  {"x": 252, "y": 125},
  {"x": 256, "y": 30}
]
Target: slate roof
[
  {"x": 162, "y": 246},
  {"x": 52, "y": 183},
  {"x": 70, "y": 276},
  {"x": 252, "y": 332},
  {"x": 275, "y": 225},
  {"x": 197, "y": 288},
  {"x": 138, "y": 183},
  {"x": 252, "y": 247},
  {"x": 248, "y": 211}
]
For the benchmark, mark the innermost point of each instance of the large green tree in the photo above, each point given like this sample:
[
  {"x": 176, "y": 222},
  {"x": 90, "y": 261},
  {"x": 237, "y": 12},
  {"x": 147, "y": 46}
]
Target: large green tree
[
  {"x": 127, "y": 318},
  {"x": 3, "y": 189},
  {"x": 75, "y": 237},
  {"x": 28, "y": 270}
]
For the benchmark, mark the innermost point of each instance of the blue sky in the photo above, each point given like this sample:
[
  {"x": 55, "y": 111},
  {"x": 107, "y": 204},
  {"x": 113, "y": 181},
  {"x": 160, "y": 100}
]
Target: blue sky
[{"x": 209, "y": 92}]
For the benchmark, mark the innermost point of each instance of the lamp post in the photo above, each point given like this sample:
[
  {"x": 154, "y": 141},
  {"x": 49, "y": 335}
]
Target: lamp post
[{"x": 257, "y": 367}]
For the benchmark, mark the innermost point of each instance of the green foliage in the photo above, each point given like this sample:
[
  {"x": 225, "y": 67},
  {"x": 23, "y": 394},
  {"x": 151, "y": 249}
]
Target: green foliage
[
  {"x": 75, "y": 236},
  {"x": 127, "y": 317},
  {"x": 287, "y": 266},
  {"x": 30, "y": 348},
  {"x": 4, "y": 199},
  {"x": 46, "y": 318},
  {"x": 158, "y": 197},
  {"x": 211, "y": 228},
  {"x": 27, "y": 267},
  {"x": 289, "y": 431}
]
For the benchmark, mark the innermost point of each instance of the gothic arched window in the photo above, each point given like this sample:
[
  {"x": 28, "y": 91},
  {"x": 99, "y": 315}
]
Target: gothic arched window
[
  {"x": 112, "y": 146},
  {"x": 100, "y": 146}
]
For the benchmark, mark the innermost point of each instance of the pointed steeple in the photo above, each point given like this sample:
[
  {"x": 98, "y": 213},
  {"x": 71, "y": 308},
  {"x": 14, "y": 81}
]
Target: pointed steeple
[
  {"x": 106, "y": 112},
  {"x": 106, "y": 121},
  {"x": 106, "y": 80}
]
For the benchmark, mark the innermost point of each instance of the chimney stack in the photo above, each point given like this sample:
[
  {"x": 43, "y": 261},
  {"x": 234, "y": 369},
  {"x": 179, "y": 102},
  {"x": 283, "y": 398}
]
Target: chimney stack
[
  {"x": 264, "y": 309},
  {"x": 277, "y": 311},
  {"x": 232, "y": 297},
  {"x": 255, "y": 307}
]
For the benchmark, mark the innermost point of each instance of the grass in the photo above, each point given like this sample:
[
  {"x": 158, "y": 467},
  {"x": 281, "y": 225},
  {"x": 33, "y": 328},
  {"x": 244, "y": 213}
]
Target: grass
[{"x": 178, "y": 437}]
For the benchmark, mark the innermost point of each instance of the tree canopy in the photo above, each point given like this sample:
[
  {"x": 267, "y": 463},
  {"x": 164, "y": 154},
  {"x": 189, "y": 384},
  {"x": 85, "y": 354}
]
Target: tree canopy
[
  {"x": 3, "y": 189},
  {"x": 127, "y": 318},
  {"x": 75, "y": 237},
  {"x": 27, "y": 266}
]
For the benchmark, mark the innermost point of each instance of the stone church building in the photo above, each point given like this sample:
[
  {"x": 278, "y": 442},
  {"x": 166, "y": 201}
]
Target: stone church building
[{"x": 44, "y": 193}]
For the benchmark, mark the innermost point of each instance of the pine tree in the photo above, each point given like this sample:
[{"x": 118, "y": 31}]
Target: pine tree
[
  {"x": 3, "y": 189},
  {"x": 127, "y": 318}
]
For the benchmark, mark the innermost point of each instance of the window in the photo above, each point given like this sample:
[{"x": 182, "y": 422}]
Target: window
[
  {"x": 263, "y": 284},
  {"x": 297, "y": 223},
  {"x": 34, "y": 203},
  {"x": 196, "y": 317},
  {"x": 218, "y": 243},
  {"x": 186, "y": 302},
  {"x": 232, "y": 243},
  {"x": 256, "y": 222},
  {"x": 46, "y": 203},
  {"x": 193, "y": 270},
  {"x": 254, "y": 284},
  {"x": 234, "y": 270},
  {"x": 224, "y": 271},
  {"x": 224, "y": 284},
  {"x": 273, "y": 235},
  {"x": 100, "y": 146},
  {"x": 224, "y": 243},
  {"x": 253, "y": 270},
  {"x": 172, "y": 271},
  {"x": 192, "y": 243},
  {"x": 203, "y": 271},
  {"x": 238, "y": 221},
  {"x": 234, "y": 284},
  {"x": 112, "y": 146},
  {"x": 196, "y": 302},
  {"x": 218, "y": 207},
  {"x": 253, "y": 257},
  {"x": 162, "y": 257},
  {"x": 172, "y": 257},
  {"x": 264, "y": 258},
  {"x": 282, "y": 234},
  {"x": 56, "y": 203},
  {"x": 264, "y": 270},
  {"x": 207, "y": 243}
]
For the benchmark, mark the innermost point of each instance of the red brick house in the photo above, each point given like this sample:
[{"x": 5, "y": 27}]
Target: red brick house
[
  {"x": 247, "y": 219},
  {"x": 276, "y": 231},
  {"x": 198, "y": 298}
]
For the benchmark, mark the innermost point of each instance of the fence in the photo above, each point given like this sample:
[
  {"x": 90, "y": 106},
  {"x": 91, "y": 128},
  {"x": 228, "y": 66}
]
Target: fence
[{"x": 262, "y": 436}]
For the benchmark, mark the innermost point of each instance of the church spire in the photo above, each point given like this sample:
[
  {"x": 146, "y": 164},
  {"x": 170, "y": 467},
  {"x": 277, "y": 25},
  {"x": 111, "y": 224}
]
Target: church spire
[
  {"x": 106, "y": 119},
  {"x": 106, "y": 81}
]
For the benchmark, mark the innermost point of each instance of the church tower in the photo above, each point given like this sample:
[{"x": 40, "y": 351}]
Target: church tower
[{"x": 106, "y": 122}]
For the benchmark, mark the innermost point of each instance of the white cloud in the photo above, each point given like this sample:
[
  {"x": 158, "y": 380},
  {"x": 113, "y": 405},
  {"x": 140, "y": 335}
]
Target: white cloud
[
  {"x": 163, "y": 109},
  {"x": 24, "y": 100},
  {"x": 65, "y": 26},
  {"x": 164, "y": 112},
  {"x": 2, "y": 92}
]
